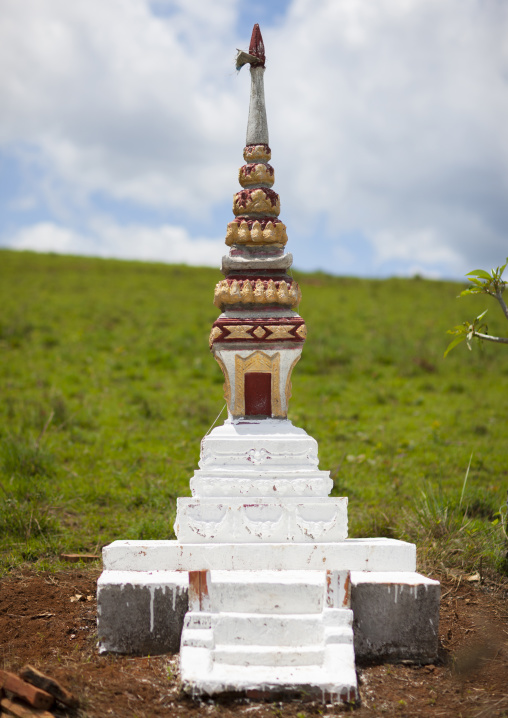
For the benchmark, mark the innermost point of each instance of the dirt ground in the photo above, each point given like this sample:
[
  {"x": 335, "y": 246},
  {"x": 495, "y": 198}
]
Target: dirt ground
[{"x": 43, "y": 623}]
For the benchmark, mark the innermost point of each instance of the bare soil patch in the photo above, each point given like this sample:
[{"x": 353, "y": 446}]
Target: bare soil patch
[{"x": 42, "y": 622}]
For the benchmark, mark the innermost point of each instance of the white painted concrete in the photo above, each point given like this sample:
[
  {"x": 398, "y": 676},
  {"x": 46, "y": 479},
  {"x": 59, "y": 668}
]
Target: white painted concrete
[
  {"x": 323, "y": 669},
  {"x": 377, "y": 554},
  {"x": 394, "y": 578},
  {"x": 257, "y": 125},
  {"x": 257, "y": 482},
  {"x": 269, "y": 648},
  {"x": 281, "y": 592},
  {"x": 288, "y": 354},
  {"x": 276, "y": 656},
  {"x": 205, "y": 519},
  {"x": 270, "y": 444},
  {"x": 242, "y": 263}
]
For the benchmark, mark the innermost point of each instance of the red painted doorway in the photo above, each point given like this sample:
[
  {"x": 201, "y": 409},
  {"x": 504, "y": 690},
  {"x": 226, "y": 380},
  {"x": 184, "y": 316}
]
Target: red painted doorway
[{"x": 258, "y": 393}]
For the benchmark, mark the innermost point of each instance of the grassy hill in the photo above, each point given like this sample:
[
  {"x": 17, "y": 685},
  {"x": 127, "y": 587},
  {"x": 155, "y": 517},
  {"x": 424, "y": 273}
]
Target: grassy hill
[{"x": 108, "y": 387}]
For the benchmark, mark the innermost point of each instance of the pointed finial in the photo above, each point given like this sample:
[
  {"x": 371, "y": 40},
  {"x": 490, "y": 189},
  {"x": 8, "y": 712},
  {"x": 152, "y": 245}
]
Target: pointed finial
[
  {"x": 256, "y": 55},
  {"x": 257, "y": 126},
  {"x": 257, "y": 47}
]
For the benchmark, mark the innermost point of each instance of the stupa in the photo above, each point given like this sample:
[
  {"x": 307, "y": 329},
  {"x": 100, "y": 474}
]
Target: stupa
[{"x": 262, "y": 586}]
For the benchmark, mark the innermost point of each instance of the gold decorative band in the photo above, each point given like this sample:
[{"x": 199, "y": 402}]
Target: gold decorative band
[
  {"x": 258, "y": 201},
  {"x": 246, "y": 291},
  {"x": 271, "y": 233},
  {"x": 257, "y": 173},
  {"x": 253, "y": 153}
]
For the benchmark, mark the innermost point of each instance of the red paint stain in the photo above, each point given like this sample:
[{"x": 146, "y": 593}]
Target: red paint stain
[
  {"x": 257, "y": 47},
  {"x": 243, "y": 197}
]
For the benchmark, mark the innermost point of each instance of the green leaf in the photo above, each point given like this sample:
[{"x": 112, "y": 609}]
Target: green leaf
[
  {"x": 453, "y": 344},
  {"x": 479, "y": 273},
  {"x": 471, "y": 290},
  {"x": 480, "y": 316}
]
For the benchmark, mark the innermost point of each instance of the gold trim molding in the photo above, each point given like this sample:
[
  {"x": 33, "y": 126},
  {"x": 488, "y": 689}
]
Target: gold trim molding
[
  {"x": 261, "y": 362},
  {"x": 227, "y": 383}
]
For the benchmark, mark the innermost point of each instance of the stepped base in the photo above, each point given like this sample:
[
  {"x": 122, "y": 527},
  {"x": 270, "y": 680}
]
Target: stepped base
[
  {"x": 333, "y": 681},
  {"x": 255, "y": 648},
  {"x": 396, "y": 614},
  {"x": 264, "y": 458}
]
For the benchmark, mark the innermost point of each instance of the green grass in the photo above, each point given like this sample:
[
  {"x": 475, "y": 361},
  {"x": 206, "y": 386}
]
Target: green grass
[{"x": 108, "y": 388}]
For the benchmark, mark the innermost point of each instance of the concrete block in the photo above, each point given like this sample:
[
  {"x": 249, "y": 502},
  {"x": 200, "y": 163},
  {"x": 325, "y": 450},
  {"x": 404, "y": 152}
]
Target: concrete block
[
  {"x": 395, "y": 613},
  {"x": 377, "y": 554},
  {"x": 256, "y": 520},
  {"x": 141, "y": 612},
  {"x": 275, "y": 592},
  {"x": 396, "y": 616}
]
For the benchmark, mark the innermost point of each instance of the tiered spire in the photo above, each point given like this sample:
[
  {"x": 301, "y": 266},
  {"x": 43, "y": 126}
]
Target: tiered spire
[{"x": 259, "y": 331}]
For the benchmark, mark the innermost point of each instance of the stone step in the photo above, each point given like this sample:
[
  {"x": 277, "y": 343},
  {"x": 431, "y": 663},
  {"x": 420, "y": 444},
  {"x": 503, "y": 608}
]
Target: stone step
[
  {"x": 198, "y": 637},
  {"x": 275, "y": 592},
  {"x": 267, "y": 630},
  {"x": 334, "y": 679},
  {"x": 197, "y": 620},
  {"x": 342, "y": 634},
  {"x": 269, "y": 656}
]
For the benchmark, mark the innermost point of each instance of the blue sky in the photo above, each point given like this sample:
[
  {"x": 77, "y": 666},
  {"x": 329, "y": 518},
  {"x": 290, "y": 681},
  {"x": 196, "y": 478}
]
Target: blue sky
[{"x": 123, "y": 126}]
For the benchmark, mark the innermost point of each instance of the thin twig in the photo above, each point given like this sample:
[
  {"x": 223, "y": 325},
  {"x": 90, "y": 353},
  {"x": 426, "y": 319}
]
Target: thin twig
[
  {"x": 490, "y": 338},
  {"x": 502, "y": 303},
  {"x": 489, "y": 708},
  {"x": 465, "y": 481},
  {"x": 216, "y": 420},
  {"x": 44, "y": 429}
]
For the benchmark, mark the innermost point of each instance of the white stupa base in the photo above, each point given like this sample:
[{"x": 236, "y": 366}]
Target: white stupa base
[
  {"x": 267, "y": 458},
  {"x": 377, "y": 554},
  {"x": 263, "y": 632},
  {"x": 333, "y": 680},
  {"x": 264, "y": 553},
  {"x": 273, "y": 520}
]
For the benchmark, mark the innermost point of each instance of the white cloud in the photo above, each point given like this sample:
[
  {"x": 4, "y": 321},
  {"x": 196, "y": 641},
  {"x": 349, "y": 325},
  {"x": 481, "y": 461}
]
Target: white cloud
[
  {"x": 120, "y": 101},
  {"x": 387, "y": 120},
  {"x": 423, "y": 247},
  {"x": 398, "y": 110},
  {"x": 165, "y": 243}
]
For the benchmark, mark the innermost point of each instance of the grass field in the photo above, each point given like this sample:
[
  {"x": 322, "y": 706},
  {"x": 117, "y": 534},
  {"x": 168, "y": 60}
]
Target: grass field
[{"x": 108, "y": 387}]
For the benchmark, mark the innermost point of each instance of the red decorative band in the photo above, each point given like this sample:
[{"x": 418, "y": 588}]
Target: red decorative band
[{"x": 269, "y": 330}]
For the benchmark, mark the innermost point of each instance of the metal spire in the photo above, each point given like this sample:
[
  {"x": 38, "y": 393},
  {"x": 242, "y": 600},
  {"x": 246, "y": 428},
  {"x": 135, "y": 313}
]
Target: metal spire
[{"x": 257, "y": 125}]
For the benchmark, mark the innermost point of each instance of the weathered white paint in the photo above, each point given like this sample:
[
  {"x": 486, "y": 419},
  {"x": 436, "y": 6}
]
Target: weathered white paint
[
  {"x": 378, "y": 554},
  {"x": 288, "y": 355},
  {"x": 291, "y": 592},
  {"x": 259, "y": 458},
  {"x": 258, "y": 313},
  {"x": 221, "y": 482},
  {"x": 268, "y": 444},
  {"x": 257, "y": 125},
  {"x": 179, "y": 580},
  {"x": 202, "y": 520},
  {"x": 269, "y": 651},
  {"x": 242, "y": 262},
  {"x": 407, "y": 579}
]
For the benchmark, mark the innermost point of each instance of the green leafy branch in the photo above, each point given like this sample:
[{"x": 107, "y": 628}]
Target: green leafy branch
[{"x": 482, "y": 283}]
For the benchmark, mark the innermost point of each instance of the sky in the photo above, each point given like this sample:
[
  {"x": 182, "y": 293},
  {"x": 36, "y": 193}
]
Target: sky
[{"x": 123, "y": 122}]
